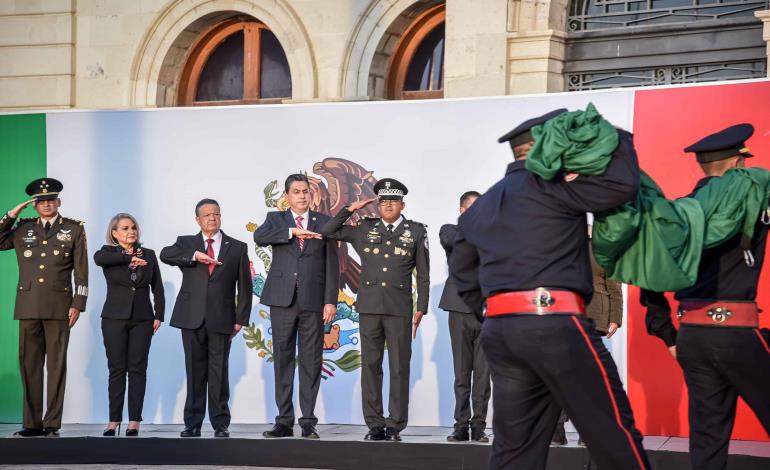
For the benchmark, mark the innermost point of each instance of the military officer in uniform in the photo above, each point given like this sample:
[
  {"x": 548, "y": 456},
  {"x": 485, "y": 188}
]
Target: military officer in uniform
[
  {"x": 722, "y": 351},
  {"x": 522, "y": 249},
  {"x": 390, "y": 248},
  {"x": 467, "y": 355},
  {"x": 49, "y": 249}
]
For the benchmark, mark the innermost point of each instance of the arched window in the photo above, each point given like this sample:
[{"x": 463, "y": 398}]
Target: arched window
[
  {"x": 238, "y": 61},
  {"x": 417, "y": 66}
]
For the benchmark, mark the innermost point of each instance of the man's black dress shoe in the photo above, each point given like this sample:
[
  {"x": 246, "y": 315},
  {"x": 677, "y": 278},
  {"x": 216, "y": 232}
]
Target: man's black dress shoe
[
  {"x": 51, "y": 432},
  {"x": 460, "y": 434},
  {"x": 222, "y": 432},
  {"x": 29, "y": 432},
  {"x": 393, "y": 434},
  {"x": 191, "y": 431},
  {"x": 309, "y": 432},
  {"x": 478, "y": 435},
  {"x": 376, "y": 434},
  {"x": 279, "y": 430}
]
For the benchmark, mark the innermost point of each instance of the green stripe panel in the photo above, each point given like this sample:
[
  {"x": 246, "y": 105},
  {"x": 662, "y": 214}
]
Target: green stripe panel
[{"x": 22, "y": 159}]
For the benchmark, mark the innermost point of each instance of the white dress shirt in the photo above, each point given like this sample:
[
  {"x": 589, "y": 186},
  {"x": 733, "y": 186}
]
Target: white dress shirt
[
  {"x": 395, "y": 224},
  {"x": 303, "y": 223},
  {"x": 217, "y": 237}
]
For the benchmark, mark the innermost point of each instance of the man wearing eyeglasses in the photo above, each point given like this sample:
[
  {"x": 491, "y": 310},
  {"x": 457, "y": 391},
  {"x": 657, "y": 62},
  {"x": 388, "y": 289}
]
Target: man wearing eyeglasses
[{"x": 391, "y": 247}]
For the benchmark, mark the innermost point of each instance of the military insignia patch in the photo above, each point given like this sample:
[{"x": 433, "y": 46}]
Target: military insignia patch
[
  {"x": 64, "y": 236},
  {"x": 28, "y": 253}
]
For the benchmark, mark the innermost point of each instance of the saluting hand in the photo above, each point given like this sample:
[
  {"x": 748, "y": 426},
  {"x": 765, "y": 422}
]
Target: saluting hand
[
  {"x": 302, "y": 233},
  {"x": 360, "y": 204},
  {"x": 17, "y": 210},
  {"x": 205, "y": 259},
  {"x": 73, "y": 316},
  {"x": 416, "y": 323},
  {"x": 330, "y": 311},
  {"x": 135, "y": 262}
]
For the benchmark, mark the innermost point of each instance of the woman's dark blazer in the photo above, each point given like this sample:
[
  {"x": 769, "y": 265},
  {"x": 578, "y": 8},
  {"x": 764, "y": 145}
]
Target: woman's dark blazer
[{"x": 124, "y": 296}]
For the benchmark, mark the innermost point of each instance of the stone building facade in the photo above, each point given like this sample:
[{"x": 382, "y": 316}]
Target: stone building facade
[{"x": 148, "y": 53}]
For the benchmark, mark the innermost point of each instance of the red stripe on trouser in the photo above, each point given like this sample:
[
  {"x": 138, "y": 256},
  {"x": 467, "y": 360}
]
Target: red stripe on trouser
[
  {"x": 609, "y": 392},
  {"x": 762, "y": 340}
]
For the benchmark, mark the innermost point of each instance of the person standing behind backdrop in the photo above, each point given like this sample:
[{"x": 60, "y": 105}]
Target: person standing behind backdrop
[
  {"x": 128, "y": 318},
  {"x": 467, "y": 355}
]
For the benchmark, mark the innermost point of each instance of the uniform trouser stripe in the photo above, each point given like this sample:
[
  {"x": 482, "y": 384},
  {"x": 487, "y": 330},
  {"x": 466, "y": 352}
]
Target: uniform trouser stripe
[
  {"x": 609, "y": 392},
  {"x": 762, "y": 340}
]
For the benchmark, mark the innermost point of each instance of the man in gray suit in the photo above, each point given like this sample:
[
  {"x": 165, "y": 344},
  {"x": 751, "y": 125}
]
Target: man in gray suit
[
  {"x": 467, "y": 355},
  {"x": 301, "y": 289},
  {"x": 390, "y": 248}
]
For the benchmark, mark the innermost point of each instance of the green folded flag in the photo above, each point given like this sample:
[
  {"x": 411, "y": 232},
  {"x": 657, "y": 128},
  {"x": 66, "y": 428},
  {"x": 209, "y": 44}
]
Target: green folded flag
[
  {"x": 576, "y": 142},
  {"x": 656, "y": 243}
]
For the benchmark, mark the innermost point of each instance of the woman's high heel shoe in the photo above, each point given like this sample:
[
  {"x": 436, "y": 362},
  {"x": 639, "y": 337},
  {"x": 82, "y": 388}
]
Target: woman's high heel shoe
[
  {"x": 132, "y": 432},
  {"x": 111, "y": 432}
]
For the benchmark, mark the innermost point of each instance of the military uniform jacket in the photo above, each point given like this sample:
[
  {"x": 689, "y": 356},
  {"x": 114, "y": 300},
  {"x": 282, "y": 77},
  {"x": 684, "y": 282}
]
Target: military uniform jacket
[
  {"x": 606, "y": 306},
  {"x": 46, "y": 266},
  {"x": 387, "y": 262}
]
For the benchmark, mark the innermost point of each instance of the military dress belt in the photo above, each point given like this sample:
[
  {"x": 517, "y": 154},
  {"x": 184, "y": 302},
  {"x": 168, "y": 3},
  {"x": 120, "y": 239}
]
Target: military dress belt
[
  {"x": 718, "y": 313},
  {"x": 540, "y": 301}
]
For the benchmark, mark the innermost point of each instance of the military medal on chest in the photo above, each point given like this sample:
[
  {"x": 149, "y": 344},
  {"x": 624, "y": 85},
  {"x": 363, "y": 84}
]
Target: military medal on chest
[{"x": 64, "y": 235}]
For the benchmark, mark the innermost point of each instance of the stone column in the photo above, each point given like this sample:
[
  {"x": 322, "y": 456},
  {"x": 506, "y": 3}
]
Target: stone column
[
  {"x": 765, "y": 17},
  {"x": 535, "y": 46}
]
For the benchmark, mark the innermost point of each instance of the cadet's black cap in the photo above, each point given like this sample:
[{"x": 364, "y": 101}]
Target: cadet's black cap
[
  {"x": 44, "y": 189},
  {"x": 521, "y": 134},
  {"x": 726, "y": 143},
  {"x": 388, "y": 188}
]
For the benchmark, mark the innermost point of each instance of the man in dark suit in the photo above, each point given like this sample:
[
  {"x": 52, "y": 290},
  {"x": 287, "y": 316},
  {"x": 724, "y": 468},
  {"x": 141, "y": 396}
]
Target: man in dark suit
[
  {"x": 301, "y": 290},
  {"x": 49, "y": 249},
  {"x": 391, "y": 248},
  {"x": 467, "y": 355},
  {"x": 209, "y": 313}
]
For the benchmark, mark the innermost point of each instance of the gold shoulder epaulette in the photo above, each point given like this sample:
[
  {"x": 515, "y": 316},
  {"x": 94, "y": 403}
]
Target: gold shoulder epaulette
[{"x": 74, "y": 221}]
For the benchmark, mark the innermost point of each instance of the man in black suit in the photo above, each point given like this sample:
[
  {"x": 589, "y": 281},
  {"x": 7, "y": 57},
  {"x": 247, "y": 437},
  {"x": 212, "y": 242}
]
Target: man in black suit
[
  {"x": 209, "y": 313},
  {"x": 467, "y": 355},
  {"x": 301, "y": 290}
]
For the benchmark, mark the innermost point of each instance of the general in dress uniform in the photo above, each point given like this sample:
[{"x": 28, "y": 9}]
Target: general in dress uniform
[
  {"x": 49, "y": 249},
  {"x": 391, "y": 248}
]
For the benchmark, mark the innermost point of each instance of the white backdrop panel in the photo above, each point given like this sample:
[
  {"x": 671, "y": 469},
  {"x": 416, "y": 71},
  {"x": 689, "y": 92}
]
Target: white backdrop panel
[{"x": 156, "y": 164}]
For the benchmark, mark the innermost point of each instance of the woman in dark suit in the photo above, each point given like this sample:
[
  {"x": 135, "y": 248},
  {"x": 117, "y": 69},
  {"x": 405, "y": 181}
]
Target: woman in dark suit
[{"x": 128, "y": 317}]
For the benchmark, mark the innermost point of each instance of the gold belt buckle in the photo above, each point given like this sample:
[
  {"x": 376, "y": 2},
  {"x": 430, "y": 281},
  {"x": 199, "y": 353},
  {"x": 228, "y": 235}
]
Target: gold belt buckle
[
  {"x": 719, "y": 314},
  {"x": 542, "y": 300}
]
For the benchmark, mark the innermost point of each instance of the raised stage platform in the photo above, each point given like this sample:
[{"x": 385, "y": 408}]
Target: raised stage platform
[{"x": 341, "y": 448}]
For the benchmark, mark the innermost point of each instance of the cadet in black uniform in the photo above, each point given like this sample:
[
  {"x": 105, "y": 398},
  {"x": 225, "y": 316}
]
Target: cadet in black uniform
[
  {"x": 390, "y": 248},
  {"x": 722, "y": 351},
  {"x": 523, "y": 246},
  {"x": 49, "y": 249},
  {"x": 467, "y": 355}
]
